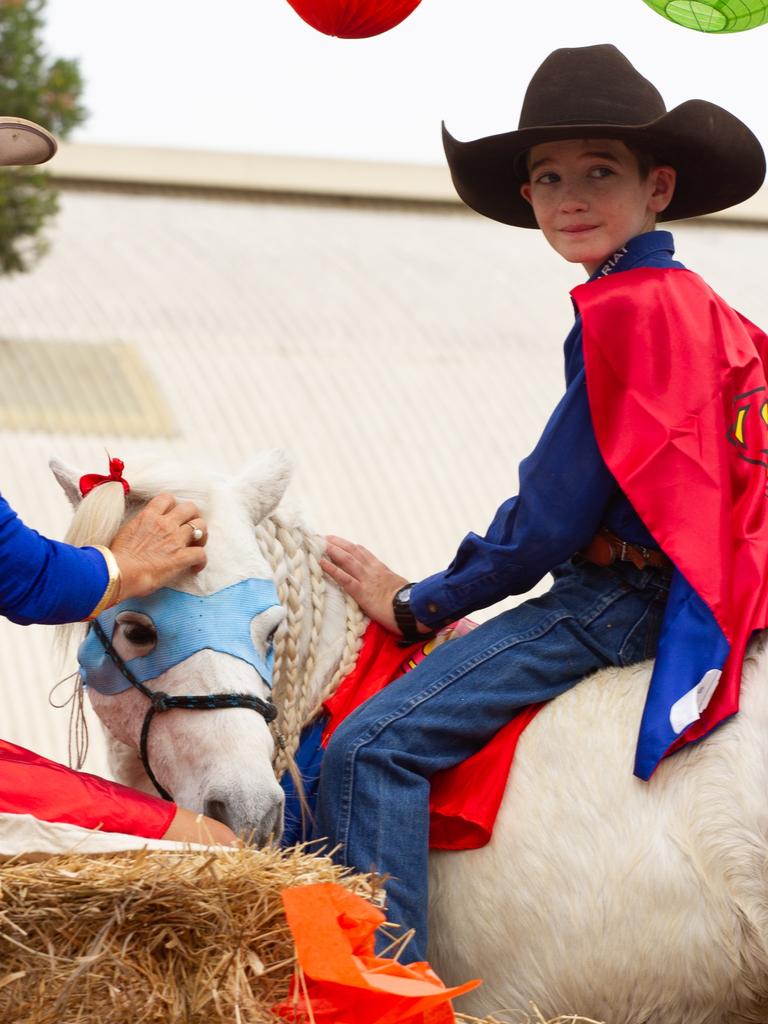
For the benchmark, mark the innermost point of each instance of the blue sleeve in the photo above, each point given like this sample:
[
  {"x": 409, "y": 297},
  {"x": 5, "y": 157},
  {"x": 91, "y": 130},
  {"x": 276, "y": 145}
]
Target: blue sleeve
[
  {"x": 42, "y": 580},
  {"x": 564, "y": 488}
]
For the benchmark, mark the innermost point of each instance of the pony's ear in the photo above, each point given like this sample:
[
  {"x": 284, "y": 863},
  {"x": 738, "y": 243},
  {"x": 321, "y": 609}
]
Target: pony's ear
[
  {"x": 69, "y": 480},
  {"x": 263, "y": 482}
]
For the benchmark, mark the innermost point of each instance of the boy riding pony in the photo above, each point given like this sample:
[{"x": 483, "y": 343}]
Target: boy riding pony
[{"x": 645, "y": 496}]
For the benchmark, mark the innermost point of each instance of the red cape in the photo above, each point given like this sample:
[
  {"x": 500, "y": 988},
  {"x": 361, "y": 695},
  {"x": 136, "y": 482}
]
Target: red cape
[
  {"x": 464, "y": 800},
  {"x": 677, "y": 390}
]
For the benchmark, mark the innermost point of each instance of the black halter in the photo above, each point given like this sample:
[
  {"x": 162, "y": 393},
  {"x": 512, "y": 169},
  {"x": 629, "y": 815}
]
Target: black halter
[{"x": 161, "y": 701}]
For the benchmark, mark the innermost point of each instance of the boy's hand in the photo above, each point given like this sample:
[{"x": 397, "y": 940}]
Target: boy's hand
[{"x": 365, "y": 578}]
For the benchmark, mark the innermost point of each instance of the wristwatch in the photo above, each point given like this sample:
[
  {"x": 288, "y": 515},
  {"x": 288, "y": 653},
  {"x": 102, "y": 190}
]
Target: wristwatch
[{"x": 404, "y": 617}]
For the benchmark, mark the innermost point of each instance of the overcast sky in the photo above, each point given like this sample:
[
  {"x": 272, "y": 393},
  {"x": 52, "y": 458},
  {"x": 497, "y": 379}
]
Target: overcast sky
[{"x": 250, "y": 75}]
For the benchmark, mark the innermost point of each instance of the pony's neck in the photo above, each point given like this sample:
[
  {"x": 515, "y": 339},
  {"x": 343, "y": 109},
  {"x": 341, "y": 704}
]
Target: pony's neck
[{"x": 321, "y": 639}]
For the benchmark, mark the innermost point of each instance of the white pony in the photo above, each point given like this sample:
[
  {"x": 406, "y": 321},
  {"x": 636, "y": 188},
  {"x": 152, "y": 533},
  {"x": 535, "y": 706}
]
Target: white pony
[{"x": 635, "y": 903}]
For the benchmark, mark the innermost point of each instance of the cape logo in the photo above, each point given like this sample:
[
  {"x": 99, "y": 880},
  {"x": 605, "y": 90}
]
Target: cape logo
[{"x": 749, "y": 431}]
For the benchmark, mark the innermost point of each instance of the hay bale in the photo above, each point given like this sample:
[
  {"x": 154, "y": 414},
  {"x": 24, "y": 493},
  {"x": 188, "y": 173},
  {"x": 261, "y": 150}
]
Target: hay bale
[
  {"x": 159, "y": 937},
  {"x": 522, "y": 1017},
  {"x": 146, "y": 937}
]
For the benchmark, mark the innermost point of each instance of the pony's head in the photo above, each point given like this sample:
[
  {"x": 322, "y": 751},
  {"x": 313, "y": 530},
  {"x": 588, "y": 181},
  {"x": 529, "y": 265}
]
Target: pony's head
[{"x": 207, "y": 634}]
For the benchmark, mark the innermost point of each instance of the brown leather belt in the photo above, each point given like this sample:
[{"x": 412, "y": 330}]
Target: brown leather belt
[{"x": 605, "y": 548}]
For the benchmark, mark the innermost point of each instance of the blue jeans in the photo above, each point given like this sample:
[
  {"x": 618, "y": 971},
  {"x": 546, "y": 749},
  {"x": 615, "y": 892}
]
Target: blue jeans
[{"x": 374, "y": 786}]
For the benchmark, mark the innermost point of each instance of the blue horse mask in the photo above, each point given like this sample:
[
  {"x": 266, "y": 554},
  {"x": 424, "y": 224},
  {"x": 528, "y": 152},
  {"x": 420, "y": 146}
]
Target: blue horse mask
[{"x": 185, "y": 624}]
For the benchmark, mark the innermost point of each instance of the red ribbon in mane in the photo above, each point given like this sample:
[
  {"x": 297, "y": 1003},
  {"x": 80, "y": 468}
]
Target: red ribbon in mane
[{"x": 91, "y": 480}]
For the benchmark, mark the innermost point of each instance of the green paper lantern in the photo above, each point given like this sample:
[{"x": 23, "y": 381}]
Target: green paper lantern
[{"x": 713, "y": 15}]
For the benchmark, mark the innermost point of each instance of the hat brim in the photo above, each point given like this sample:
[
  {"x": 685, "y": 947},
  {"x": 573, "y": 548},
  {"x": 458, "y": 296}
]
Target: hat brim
[
  {"x": 719, "y": 161},
  {"x": 24, "y": 142}
]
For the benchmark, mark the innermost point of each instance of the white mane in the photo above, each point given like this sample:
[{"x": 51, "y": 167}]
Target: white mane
[{"x": 100, "y": 514}]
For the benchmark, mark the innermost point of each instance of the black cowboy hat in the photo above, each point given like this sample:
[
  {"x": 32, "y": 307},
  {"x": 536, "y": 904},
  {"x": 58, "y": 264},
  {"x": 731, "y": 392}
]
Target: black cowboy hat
[{"x": 594, "y": 92}]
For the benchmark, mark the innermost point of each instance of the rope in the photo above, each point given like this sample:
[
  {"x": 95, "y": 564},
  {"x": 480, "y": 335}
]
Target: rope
[
  {"x": 293, "y": 554},
  {"x": 77, "y": 730}
]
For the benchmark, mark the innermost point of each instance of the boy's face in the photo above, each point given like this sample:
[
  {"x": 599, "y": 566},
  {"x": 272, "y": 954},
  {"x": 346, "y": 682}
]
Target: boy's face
[{"x": 589, "y": 199}]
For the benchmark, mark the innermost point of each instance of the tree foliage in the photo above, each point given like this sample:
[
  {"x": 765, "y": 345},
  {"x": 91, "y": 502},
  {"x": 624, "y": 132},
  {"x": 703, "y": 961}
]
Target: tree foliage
[{"x": 44, "y": 90}]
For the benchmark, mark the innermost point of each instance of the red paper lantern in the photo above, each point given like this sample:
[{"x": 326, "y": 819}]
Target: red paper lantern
[{"x": 353, "y": 19}]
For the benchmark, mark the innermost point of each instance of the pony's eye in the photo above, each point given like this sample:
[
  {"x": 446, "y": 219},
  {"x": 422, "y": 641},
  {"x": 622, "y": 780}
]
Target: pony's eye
[
  {"x": 134, "y": 635},
  {"x": 139, "y": 634}
]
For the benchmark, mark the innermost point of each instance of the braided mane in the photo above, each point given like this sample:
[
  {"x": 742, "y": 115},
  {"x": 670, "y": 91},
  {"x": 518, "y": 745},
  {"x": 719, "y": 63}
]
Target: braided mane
[{"x": 293, "y": 554}]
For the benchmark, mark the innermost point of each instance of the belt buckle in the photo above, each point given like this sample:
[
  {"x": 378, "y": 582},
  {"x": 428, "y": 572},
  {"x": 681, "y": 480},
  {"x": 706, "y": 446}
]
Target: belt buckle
[{"x": 646, "y": 553}]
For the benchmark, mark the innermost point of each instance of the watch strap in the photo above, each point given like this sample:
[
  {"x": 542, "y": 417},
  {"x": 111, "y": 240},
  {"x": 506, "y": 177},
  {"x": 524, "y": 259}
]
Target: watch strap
[{"x": 404, "y": 617}]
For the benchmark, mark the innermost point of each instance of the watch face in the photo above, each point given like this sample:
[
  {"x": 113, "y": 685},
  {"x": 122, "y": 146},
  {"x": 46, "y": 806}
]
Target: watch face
[{"x": 404, "y": 595}]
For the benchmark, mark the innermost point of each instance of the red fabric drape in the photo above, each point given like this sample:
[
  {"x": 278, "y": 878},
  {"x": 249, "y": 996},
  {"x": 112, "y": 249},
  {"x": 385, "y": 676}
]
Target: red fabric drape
[
  {"x": 464, "y": 800},
  {"x": 353, "y": 19},
  {"x": 31, "y": 784}
]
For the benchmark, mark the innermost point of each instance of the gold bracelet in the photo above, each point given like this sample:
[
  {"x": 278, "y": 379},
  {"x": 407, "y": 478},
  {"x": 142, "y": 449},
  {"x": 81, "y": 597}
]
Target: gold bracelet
[{"x": 113, "y": 585}]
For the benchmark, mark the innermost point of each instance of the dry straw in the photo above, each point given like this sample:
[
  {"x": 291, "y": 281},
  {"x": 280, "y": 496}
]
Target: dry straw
[
  {"x": 521, "y": 1017},
  {"x": 151, "y": 937},
  {"x": 156, "y": 937}
]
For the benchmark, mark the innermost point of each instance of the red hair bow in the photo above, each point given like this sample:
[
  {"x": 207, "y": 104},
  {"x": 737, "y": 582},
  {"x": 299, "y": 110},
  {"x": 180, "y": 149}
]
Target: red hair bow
[{"x": 91, "y": 480}]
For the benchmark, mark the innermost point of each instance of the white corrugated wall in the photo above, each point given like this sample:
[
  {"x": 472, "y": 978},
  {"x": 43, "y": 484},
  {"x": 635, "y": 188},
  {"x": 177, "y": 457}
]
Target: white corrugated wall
[{"x": 406, "y": 357}]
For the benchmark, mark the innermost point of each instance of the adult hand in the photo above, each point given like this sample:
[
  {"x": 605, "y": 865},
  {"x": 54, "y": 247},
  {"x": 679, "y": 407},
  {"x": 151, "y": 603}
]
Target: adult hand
[
  {"x": 157, "y": 545},
  {"x": 365, "y": 578},
  {"x": 189, "y": 827}
]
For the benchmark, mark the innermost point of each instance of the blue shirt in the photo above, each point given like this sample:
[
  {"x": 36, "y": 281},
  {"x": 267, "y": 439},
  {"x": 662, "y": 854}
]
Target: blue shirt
[
  {"x": 42, "y": 580},
  {"x": 566, "y": 490}
]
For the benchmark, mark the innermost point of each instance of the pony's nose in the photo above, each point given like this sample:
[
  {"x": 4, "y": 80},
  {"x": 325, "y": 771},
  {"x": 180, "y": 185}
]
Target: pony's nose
[
  {"x": 256, "y": 825},
  {"x": 217, "y": 809}
]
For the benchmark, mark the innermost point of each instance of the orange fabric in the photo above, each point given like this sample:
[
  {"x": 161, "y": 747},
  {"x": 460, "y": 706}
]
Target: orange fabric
[
  {"x": 464, "y": 800},
  {"x": 346, "y": 983}
]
